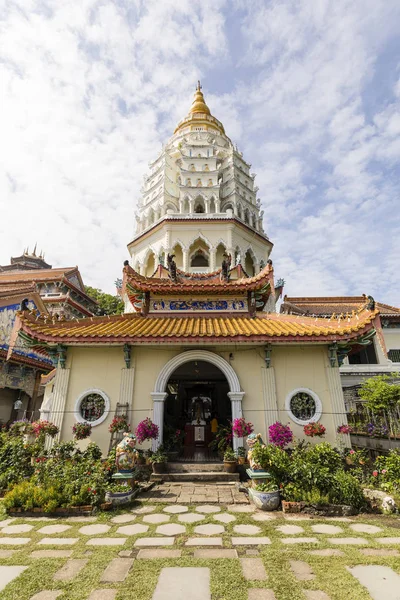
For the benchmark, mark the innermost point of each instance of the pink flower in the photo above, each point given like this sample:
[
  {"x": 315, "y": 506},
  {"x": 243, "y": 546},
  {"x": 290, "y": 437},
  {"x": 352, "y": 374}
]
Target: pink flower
[
  {"x": 384, "y": 471},
  {"x": 375, "y": 473},
  {"x": 352, "y": 452}
]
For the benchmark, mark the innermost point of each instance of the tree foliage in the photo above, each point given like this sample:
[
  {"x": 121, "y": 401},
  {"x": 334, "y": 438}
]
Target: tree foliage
[
  {"x": 108, "y": 304},
  {"x": 381, "y": 392}
]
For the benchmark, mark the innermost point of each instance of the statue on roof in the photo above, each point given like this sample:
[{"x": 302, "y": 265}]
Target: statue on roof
[
  {"x": 172, "y": 267},
  {"x": 226, "y": 265}
]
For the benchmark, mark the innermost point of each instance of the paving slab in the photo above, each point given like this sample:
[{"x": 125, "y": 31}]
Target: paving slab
[
  {"x": 155, "y": 541},
  {"x": 181, "y": 583},
  {"x": 300, "y": 540},
  {"x": 316, "y": 595},
  {"x": 106, "y": 542},
  {"x": 208, "y": 509},
  {"x": 327, "y": 529},
  {"x": 6, "y": 522},
  {"x": 105, "y": 594},
  {"x": 215, "y": 553},
  {"x": 176, "y": 509},
  {"x": 51, "y": 529},
  {"x": 132, "y": 529},
  {"x": 262, "y": 516},
  {"x": 14, "y": 541},
  {"x": 381, "y": 582},
  {"x": 300, "y": 517},
  {"x": 23, "y": 528},
  {"x": 156, "y": 518},
  {"x": 290, "y": 529},
  {"x": 253, "y": 569},
  {"x": 215, "y": 541},
  {"x": 81, "y": 519},
  {"x": 143, "y": 510},
  {"x": 57, "y": 541},
  {"x": 250, "y": 541},
  {"x": 191, "y": 518},
  {"x": 6, "y": 553},
  {"x": 348, "y": 541},
  {"x": 365, "y": 528},
  {"x": 48, "y": 595},
  {"x": 383, "y": 540},
  {"x": 247, "y": 529},
  {"x": 224, "y": 518},
  {"x": 117, "y": 570},
  {"x": 260, "y": 594},
  {"x": 70, "y": 569},
  {"x": 126, "y": 518},
  {"x": 327, "y": 552},
  {"x": 241, "y": 508},
  {"x": 8, "y": 574},
  {"x": 301, "y": 570},
  {"x": 171, "y": 529},
  {"x": 158, "y": 553},
  {"x": 209, "y": 529},
  {"x": 51, "y": 554},
  {"x": 379, "y": 552},
  {"x": 97, "y": 529}
]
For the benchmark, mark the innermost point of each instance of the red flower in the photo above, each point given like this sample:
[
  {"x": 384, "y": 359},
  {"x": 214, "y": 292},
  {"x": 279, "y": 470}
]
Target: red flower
[{"x": 375, "y": 473}]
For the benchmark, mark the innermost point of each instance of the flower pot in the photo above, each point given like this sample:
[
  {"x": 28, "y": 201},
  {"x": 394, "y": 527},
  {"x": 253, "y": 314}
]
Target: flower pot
[
  {"x": 158, "y": 467},
  {"x": 118, "y": 498},
  {"x": 241, "y": 460},
  {"x": 292, "y": 507},
  {"x": 265, "y": 500},
  {"x": 230, "y": 466}
]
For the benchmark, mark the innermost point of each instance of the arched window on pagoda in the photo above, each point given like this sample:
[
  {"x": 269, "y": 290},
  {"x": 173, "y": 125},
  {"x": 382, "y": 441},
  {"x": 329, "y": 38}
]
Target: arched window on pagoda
[
  {"x": 199, "y": 254},
  {"x": 199, "y": 259},
  {"x": 150, "y": 265},
  {"x": 249, "y": 264},
  {"x": 199, "y": 206}
]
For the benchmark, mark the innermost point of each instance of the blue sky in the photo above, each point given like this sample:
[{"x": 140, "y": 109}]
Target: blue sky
[{"x": 310, "y": 92}]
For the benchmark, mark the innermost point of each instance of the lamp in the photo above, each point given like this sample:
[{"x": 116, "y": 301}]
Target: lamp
[{"x": 18, "y": 404}]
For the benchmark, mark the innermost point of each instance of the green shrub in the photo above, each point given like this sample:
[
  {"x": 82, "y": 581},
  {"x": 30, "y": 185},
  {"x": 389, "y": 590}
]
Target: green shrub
[
  {"x": 388, "y": 472},
  {"x": 15, "y": 460},
  {"x": 346, "y": 490}
]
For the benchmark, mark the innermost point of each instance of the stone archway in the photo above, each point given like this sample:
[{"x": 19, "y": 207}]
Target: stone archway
[{"x": 235, "y": 394}]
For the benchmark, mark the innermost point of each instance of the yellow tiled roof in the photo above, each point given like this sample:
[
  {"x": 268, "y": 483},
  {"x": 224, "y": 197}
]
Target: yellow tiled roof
[{"x": 135, "y": 328}]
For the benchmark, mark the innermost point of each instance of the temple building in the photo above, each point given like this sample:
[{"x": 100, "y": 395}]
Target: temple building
[{"x": 200, "y": 335}]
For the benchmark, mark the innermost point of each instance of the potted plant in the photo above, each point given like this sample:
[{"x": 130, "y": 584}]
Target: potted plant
[
  {"x": 242, "y": 454},
  {"x": 293, "y": 498},
  {"x": 314, "y": 429},
  {"x": 159, "y": 460},
  {"x": 241, "y": 428},
  {"x": 265, "y": 496},
  {"x": 120, "y": 493},
  {"x": 230, "y": 462},
  {"x": 146, "y": 430},
  {"x": 81, "y": 431},
  {"x": 119, "y": 423}
]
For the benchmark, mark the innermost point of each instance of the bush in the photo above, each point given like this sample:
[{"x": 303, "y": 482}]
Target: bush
[
  {"x": 27, "y": 495},
  {"x": 15, "y": 460},
  {"x": 346, "y": 490},
  {"x": 388, "y": 472}
]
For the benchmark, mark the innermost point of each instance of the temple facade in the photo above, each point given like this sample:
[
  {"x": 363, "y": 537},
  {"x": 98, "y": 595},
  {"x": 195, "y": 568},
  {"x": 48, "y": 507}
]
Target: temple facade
[{"x": 200, "y": 336}]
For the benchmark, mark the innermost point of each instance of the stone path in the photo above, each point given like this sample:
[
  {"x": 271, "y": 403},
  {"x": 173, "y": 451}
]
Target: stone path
[
  {"x": 190, "y": 493},
  {"x": 206, "y": 534}
]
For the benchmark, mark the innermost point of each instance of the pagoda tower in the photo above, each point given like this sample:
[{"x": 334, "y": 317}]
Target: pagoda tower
[{"x": 199, "y": 202}]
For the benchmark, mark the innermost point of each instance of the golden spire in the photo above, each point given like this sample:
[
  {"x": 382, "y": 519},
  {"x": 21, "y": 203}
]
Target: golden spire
[{"x": 199, "y": 105}]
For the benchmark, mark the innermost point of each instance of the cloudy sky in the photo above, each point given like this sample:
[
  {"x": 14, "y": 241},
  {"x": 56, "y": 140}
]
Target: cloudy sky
[{"x": 310, "y": 92}]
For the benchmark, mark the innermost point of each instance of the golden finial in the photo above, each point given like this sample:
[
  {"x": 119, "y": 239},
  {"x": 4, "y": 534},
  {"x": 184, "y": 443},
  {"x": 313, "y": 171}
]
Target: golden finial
[{"x": 199, "y": 105}]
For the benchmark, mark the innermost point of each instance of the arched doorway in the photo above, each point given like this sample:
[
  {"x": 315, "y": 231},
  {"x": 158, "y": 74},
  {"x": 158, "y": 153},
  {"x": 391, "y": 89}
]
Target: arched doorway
[{"x": 189, "y": 376}]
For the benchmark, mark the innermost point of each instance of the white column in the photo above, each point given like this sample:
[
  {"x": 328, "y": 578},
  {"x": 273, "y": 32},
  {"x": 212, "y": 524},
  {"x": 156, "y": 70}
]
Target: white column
[
  {"x": 217, "y": 206},
  {"x": 59, "y": 400},
  {"x": 185, "y": 260},
  {"x": 158, "y": 416},
  {"x": 271, "y": 414},
  {"x": 236, "y": 403},
  {"x": 339, "y": 416},
  {"x": 212, "y": 259},
  {"x": 126, "y": 390}
]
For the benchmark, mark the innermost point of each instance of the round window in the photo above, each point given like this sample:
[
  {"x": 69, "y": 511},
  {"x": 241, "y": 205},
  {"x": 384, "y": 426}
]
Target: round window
[
  {"x": 92, "y": 407},
  {"x": 303, "y": 406}
]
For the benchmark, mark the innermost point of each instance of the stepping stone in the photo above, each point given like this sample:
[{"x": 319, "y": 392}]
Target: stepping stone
[
  {"x": 260, "y": 594},
  {"x": 181, "y": 583},
  {"x": 154, "y": 541},
  {"x": 209, "y": 529},
  {"x": 364, "y": 528},
  {"x": 300, "y": 540},
  {"x": 191, "y": 518},
  {"x": 123, "y": 519},
  {"x": 262, "y": 517},
  {"x": 48, "y": 595},
  {"x": 106, "y": 594},
  {"x": 247, "y": 529},
  {"x": 290, "y": 529},
  {"x": 132, "y": 529},
  {"x": 385, "y": 540},
  {"x": 8, "y": 574},
  {"x": 250, "y": 541},
  {"x": 94, "y": 529},
  {"x": 159, "y": 553},
  {"x": 171, "y": 529},
  {"x": 379, "y": 552},
  {"x": 57, "y": 541},
  {"x": 316, "y": 595},
  {"x": 70, "y": 569},
  {"x": 253, "y": 569},
  {"x": 329, "y": 529},
  {"x": 17, "y": 529},
  {"x": 143, "y": 510},
  {"x": 296, "y": 517},
  {"x": 6, "y": 553},
  {"x": 176, "y": 509},
  {"x": 156, "y": 518},
  {"x": 381, "y": 582},
  {"x": 224, "y": 518},
  {"x": 50, "y": 529},
  {"x": 6, "y": 522},
  {"x": 208, "y": 509},
  {"x": 51, "y": 554},
  {"x": 327, "y": 552},
  {"x": 241, "y": 508},
  {"x": 117, "y": 570},
  {"x": 214, "y": 553},
  {"x": 81, "y": 519},
  {"x": 301, "y": 570},
  {"x": 355, "y": 541},
  {"x": 106, "y": 542},
  {"x": 216, "y": 541},
  {"x": 14, "y": 541}
]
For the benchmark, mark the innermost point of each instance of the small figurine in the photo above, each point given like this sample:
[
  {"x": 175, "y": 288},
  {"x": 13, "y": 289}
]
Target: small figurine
[
  {"x": 126, "y": 453},
  {"x": 254, "y": 439},
  {"x": 172, "y": 266},
  {"x": 226, "y": 265}
]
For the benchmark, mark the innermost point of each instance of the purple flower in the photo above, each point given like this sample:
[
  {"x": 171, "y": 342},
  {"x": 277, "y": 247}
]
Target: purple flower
[{"x": 280, "y": 435}]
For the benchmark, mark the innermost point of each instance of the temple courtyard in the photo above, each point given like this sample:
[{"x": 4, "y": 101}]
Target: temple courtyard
[{"x": 221, "y": 548}]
